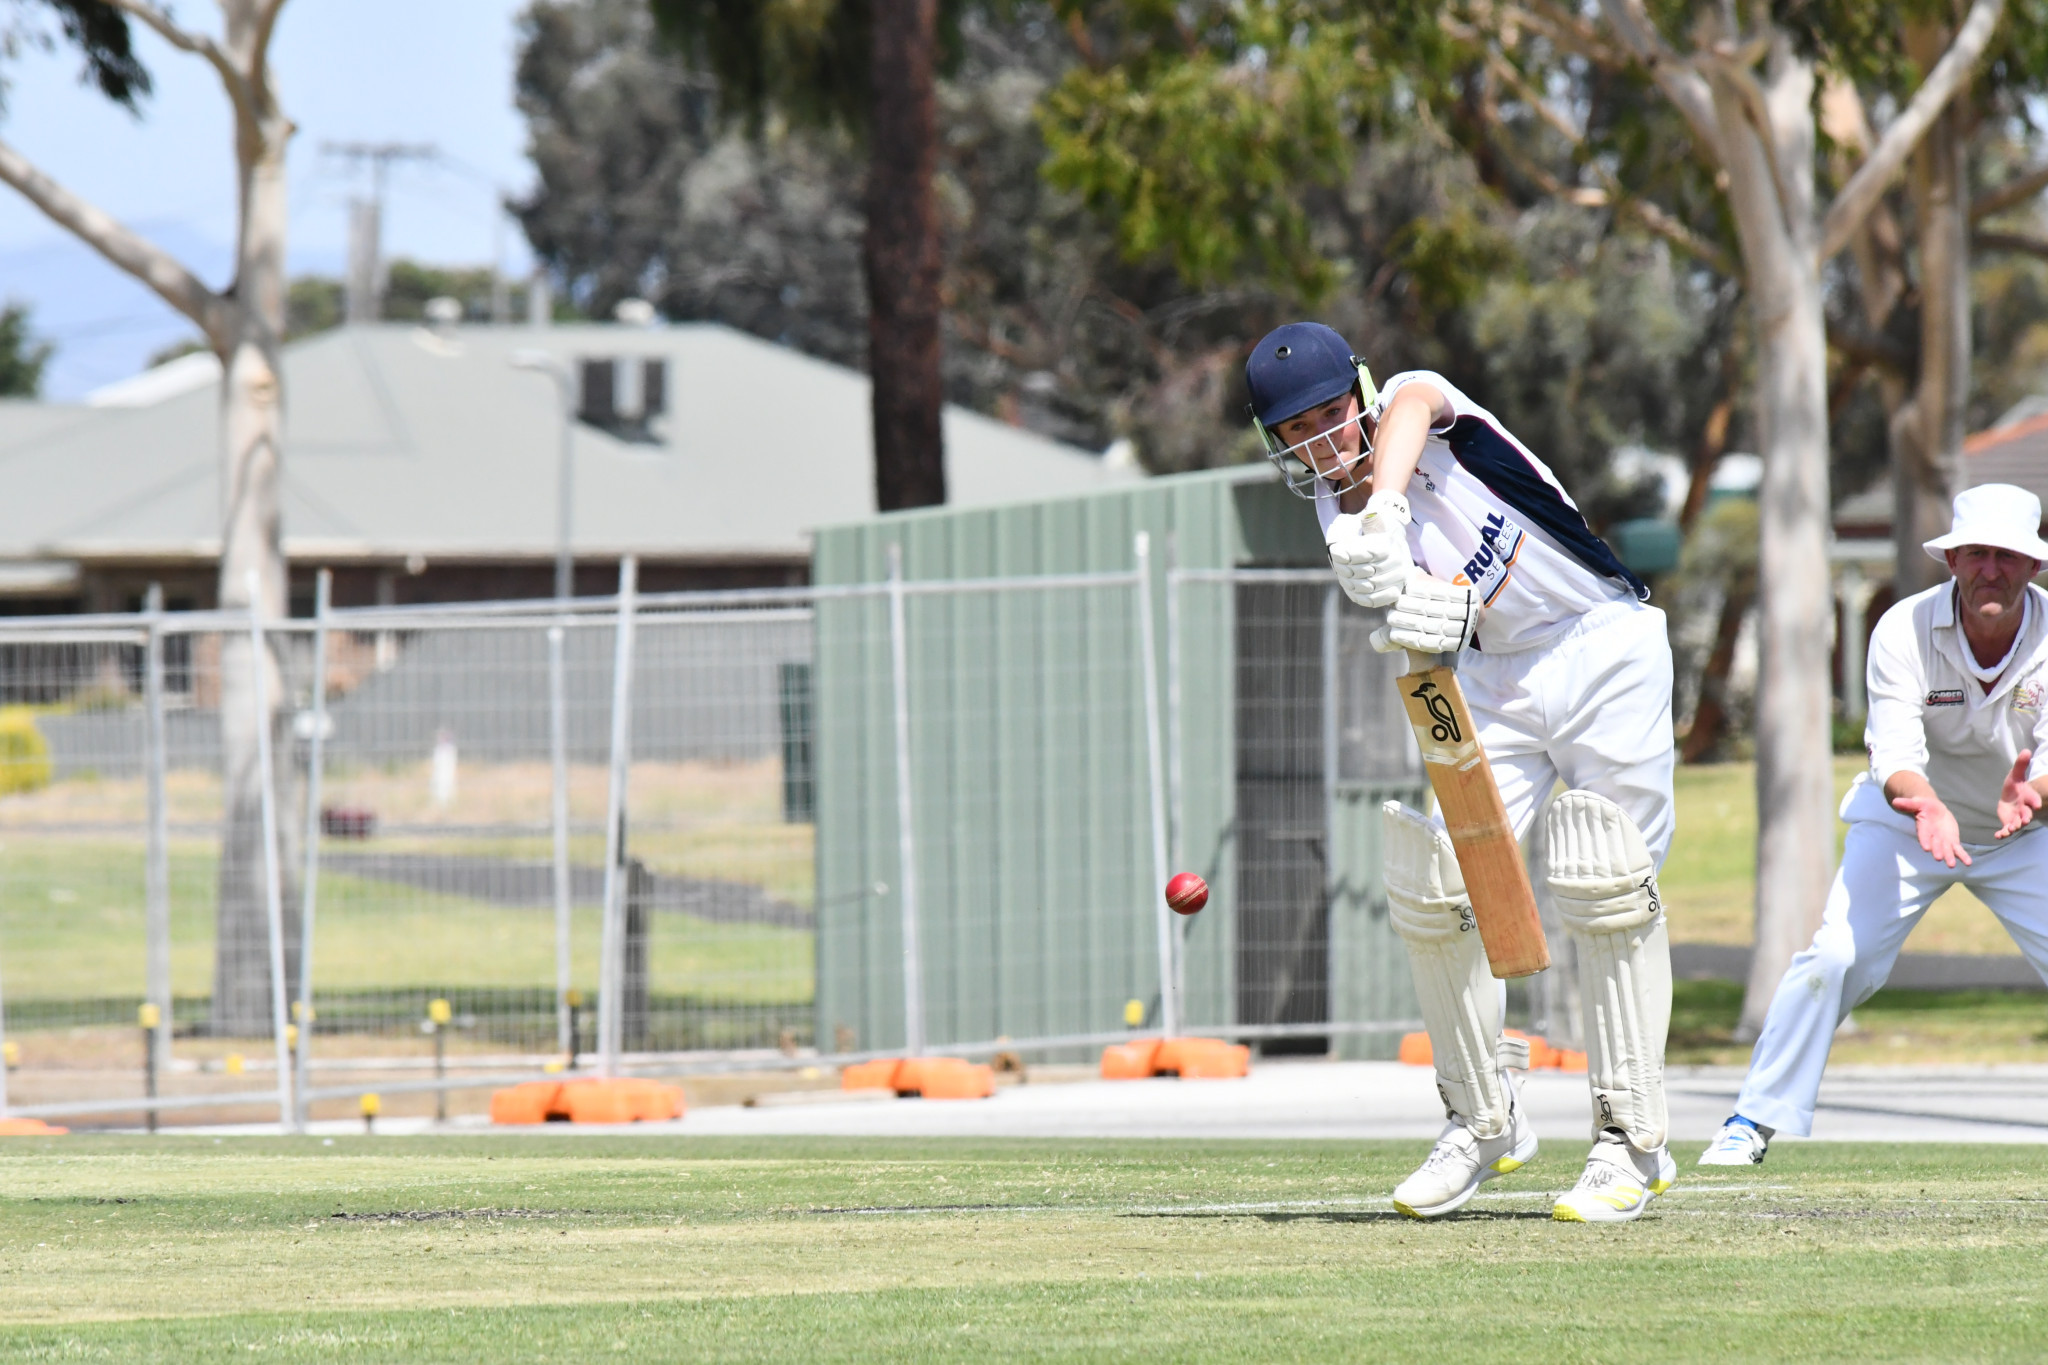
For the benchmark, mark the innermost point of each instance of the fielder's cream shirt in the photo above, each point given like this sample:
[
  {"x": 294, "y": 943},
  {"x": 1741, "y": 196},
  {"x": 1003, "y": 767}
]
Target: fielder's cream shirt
[{"x": 1931, "y": 715}]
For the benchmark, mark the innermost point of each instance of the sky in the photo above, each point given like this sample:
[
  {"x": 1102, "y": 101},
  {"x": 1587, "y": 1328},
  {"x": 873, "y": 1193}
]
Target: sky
[{"x": 414, "y": 71}]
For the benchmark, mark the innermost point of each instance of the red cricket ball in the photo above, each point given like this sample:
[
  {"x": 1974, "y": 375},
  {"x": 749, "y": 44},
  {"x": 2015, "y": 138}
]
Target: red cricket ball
[{"x": 1186, "y": 893}]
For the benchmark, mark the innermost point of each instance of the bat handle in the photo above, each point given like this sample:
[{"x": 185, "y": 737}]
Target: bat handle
[{"x": 1419, "y": 662}]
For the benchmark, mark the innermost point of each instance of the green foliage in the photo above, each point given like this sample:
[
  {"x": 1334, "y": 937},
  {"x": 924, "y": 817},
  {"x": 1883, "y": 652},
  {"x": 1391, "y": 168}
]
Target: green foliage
[
  {"x": 313, "y": 303},
  {"x": 1206, "y": 140},
  {"x": 806, "y": 60},
  {"x": 408, "y": 285},
  {"x": 22, "y": 357},
  {"x": 101, "y": 35},
  {"x": 24, "y": 753}
]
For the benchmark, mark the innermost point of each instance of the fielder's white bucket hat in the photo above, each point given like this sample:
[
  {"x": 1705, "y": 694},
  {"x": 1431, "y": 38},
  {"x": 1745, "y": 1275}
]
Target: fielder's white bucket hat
[{"x": 1997, "y": 514}]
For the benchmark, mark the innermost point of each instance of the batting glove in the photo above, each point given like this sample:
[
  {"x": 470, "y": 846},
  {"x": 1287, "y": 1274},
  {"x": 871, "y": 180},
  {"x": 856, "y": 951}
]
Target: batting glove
[
  {"x": 1369, "y": 550},
  {"x": 1430, "y": 617}
]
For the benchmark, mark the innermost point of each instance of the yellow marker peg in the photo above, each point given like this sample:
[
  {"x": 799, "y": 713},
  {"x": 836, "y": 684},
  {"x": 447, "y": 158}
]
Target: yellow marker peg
[
  {"x": 573, "y": 998},
  {"x": 1134, "y": 1012},
  {"x": 11, "y": 1052},
  {"x": 553, "y": 1065},
  {"x": 370, "y": 1105},
  {"x": 233, "y": 1064},
  {"x": 149, "y": 1016},
  {"x": 438, "y": 1010},
  {"x": 291, "y": 1035}
]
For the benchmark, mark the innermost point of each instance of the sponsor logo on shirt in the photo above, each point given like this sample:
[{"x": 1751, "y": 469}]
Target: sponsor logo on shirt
[
  {"x": 2029, "y": 695},
  {"x": 1500, "y": 543},
  {"x": 1945, "y": 696}
]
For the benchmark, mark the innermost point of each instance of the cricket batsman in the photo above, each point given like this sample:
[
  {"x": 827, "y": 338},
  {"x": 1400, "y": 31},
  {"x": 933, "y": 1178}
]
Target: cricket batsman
[
  {"x": 1430, "y": 508},
  {"x": 1958, "y": 740}
]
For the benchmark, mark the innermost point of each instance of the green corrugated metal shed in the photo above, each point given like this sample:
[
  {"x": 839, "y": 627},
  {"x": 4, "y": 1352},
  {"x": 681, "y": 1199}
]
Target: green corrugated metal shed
[{"x": 1029, "y": 768}]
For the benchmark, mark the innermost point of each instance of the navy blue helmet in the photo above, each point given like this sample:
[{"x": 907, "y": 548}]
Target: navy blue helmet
[{"x": 1294, "y": 368}]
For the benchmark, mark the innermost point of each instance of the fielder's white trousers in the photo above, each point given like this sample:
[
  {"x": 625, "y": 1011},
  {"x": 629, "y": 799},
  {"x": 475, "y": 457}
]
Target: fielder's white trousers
[
  {"x": 1885, "y": 884},
  {"x": 1593, "y": 708}
]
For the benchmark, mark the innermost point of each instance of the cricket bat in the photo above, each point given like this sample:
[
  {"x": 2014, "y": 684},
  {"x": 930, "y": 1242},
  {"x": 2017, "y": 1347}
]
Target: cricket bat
[{"x": 1502, "y": 903}]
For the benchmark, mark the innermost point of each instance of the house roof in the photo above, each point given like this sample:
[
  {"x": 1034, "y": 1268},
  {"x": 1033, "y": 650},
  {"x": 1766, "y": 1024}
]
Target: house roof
[
  {"x": 402, "y": 440},
  {"x": 2014, "y": 452}
]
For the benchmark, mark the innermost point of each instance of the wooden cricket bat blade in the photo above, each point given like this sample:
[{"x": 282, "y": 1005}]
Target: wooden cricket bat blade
[{"x": 1503, "y": 905}]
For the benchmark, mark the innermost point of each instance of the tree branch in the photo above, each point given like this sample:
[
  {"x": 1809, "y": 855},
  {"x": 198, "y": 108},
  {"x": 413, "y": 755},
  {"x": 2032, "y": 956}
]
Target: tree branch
[
  {"x": 2009, "y": 241},
  {"x": 149, "y": 263},
  {"x": 1569, "y": 31},
  {"x": 1733, "y": 67},
  {"x": 1646, "y": 214},
  {"x": 1904, "y": 134},
  {"x": 198, "y": 44},
  {"x": 1684, "y": 87},
  {"x": 2015, "y": 191}
]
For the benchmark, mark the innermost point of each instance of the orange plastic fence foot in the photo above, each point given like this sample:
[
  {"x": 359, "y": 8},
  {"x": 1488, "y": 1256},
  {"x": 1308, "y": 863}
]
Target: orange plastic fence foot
[
  {"x": 1130, "y": 1061},
  {"x": 29, "y": 1128},
  {"x": 931, "y": 1078},
  {"x": 626, "y": 1099},
  {"x": 1206, "y": 1059},
  {"x": 1187, "y": 1058}
]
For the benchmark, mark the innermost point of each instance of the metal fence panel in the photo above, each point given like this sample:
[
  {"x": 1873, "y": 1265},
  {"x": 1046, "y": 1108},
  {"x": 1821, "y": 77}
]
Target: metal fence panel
[{"x": 474, "y": 802}]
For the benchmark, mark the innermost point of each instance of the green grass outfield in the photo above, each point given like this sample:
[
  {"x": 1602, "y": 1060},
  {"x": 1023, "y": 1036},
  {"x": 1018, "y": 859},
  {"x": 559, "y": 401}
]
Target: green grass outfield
[{"x": 656, "y": 1249}]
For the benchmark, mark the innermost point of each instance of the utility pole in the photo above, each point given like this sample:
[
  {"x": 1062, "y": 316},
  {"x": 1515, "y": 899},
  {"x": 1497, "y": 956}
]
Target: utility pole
[{"x": 366, "y": 220}]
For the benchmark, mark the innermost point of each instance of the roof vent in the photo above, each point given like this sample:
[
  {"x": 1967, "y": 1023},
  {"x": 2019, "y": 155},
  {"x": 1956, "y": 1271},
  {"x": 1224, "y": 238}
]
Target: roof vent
[
  {"x": 634, "y": 312},
  {"x": 623, "y": 395}
]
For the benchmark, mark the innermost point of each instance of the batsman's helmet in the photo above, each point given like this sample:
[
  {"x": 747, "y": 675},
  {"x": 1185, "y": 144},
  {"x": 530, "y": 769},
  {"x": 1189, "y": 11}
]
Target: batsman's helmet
[{"x": 1297, "y": 367}]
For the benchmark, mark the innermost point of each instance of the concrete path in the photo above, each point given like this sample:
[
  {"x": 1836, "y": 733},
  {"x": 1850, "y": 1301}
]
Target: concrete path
[{"x": 1370, "y": 1100}]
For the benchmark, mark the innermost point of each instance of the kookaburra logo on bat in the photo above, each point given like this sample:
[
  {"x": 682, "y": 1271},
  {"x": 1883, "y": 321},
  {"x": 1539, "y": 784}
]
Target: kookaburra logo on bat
[{"x": 1445, "y": 731}]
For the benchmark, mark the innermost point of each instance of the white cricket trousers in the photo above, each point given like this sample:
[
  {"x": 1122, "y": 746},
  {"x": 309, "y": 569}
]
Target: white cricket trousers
[
  {"x": 1885, "y": 884},
  {"x": 1592, "y": 707}
]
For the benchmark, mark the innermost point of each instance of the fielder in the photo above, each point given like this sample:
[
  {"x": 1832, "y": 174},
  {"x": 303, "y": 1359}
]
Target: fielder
[
  {"x": 1958, "y": 712},
  {"x": 1431, "y": 508}
]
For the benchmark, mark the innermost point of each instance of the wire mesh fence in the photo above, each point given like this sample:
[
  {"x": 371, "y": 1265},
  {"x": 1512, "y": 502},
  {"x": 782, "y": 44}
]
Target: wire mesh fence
[{"x": 687, "y": 830}]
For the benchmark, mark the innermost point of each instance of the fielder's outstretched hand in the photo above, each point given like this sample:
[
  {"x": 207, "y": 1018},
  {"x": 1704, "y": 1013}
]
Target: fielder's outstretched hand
[
  {"x": 1935, "y": 826},
  {"x": 2017, "y": 799},
  {"x": 1369, "y": 550}
]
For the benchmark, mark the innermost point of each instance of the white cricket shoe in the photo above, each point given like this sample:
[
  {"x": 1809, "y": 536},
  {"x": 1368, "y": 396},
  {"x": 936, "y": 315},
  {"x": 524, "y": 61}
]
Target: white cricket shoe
[
  {"x": 1737, "y": 1144},
  {"x": 1460, "y": 1163},
  {"x": 1618, "y": 1184}
]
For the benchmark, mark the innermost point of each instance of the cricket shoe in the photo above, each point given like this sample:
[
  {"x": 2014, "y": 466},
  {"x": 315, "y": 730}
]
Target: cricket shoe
[
  {"x": 1618, "y": 1184},
  {"x": 1739, "y": 1143},
  {"x": 1460, "y": 1163}
]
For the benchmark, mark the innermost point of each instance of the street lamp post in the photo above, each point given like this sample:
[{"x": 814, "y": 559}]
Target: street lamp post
[
  {"x": 552, "y": 365},
  {"x": 558, "y": 707}
]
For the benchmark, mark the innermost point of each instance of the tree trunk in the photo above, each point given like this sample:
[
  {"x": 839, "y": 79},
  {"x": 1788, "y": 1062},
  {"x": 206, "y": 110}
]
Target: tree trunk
[
  {"x": 1927, "y": 465},
  {"x": 252, "y": 423},
  {"x": 1770, "y": 190},
  {"x": 902, "y": 256},
  {"x": 1710, "y": 714}
]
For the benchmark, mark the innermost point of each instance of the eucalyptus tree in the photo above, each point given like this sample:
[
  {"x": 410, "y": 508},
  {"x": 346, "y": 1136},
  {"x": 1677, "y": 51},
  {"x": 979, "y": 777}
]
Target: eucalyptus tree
[
  {"x": 1200, "y": 139},
  {"x": 243, "y": 323}
]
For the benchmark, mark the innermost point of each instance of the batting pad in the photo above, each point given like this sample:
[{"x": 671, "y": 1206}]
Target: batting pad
[
  {"x": 1605, "y": 884},
  {"x": 1461, "y": 1001}
]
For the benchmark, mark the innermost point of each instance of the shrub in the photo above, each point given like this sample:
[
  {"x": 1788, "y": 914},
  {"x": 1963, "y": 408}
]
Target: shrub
[{"x": 24, "y": 753}]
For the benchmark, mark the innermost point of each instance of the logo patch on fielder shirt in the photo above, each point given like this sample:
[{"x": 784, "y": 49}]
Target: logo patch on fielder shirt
[
  {"x": 1500, "y": 542},
  {"x": 1945, "y": 696},
  {"x": 2028, "y": 696}
]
